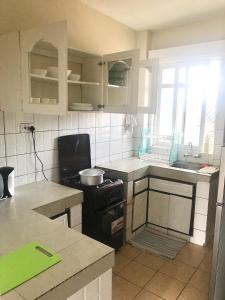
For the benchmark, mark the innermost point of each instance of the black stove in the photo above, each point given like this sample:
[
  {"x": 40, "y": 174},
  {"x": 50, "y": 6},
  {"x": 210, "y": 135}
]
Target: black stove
[{"x": 103, "y": 208}]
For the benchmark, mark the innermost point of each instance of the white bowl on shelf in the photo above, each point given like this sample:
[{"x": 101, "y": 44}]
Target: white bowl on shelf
[
  {"x": 74, "y": 77},
  {"x": 39, "y": 72},
  {"x": 45, "y": 100},
  {"x": 80, "y": 104},
  {"x": 52, "y": 101},
  {"x": 35, "y": 100},
  {"x": 81, "y": 108},
  {"x": 53, "y": 72}
]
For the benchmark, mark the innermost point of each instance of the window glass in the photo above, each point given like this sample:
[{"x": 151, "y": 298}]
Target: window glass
[
  {"x": 182, "y": 75},
  {"x": 168, "y": 76},
  {"x": 180, "y": 110},
  {"x": 196, "y": 88},
  {"x": 166, "y": 111}
]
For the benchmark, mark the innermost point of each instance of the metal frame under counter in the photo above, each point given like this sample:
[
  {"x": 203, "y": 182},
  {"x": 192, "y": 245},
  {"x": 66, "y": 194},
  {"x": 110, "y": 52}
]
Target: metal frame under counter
[{"x": 133, "y": 169}]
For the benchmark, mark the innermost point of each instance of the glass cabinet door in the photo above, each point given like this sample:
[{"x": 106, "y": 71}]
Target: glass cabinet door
[
  {"x": 147, "y": 88},
  {"x": 120, "y": 81},
  {"x": 44, "y": 69}
]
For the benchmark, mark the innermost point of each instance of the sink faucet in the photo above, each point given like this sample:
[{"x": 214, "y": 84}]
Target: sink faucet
[
  {"x": 189, "y": 150},
  {"x": 190, "y": 153}
]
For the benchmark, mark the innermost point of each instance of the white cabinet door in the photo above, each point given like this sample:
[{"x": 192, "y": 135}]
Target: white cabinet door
[
  {"x": 179, "y": 214},
  {"x": 10, "y": 72},
  {"x": 120, "y": 81},
  {"x": 140, "y": 209},
  {"x": 158, "y": 208},
  {"x": 148, "y": 85},
  {"x": 44, "y": 47}
]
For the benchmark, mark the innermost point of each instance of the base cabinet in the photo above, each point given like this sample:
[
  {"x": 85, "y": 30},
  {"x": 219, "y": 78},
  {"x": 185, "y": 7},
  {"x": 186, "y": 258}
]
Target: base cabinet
[
  {"x": 139, "y": 209},
  {"x": 170, "y": 211},
  {"x": 158, "y": 208},
  {"x": 179, "y": 214},
  {"x": 99, "y": 288}
]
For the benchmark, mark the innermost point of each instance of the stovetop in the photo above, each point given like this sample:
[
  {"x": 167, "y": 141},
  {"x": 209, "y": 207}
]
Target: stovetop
[{"x": 75, "y": 183}]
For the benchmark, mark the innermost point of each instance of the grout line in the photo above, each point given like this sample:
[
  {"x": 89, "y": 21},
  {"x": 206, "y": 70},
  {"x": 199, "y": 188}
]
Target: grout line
[
  {"x": 4, "y": 133},
  {"x": 157, "y": 272}
]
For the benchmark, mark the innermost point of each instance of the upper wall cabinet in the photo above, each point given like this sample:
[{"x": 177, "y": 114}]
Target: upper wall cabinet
[
  {"x": 10, "y": 75},
  {"x": 44, "y": 69},
  {"x": 120, "y": 81},
  {"x": 147, "y": 86},
  {"x": 39, "y": 74},
  {"x": 85, "y": 81}
]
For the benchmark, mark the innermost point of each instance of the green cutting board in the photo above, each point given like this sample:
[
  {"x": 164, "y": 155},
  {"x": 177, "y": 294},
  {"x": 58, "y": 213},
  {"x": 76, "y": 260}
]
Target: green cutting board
[{"x": 23, "y": 264}]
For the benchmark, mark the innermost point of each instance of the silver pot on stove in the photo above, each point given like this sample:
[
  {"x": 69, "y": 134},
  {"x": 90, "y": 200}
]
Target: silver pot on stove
[{"x": 91, "y": 176}]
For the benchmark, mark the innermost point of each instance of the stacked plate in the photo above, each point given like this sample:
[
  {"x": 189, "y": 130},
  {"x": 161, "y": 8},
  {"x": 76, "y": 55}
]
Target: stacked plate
[{"x": 81, "y": 106}]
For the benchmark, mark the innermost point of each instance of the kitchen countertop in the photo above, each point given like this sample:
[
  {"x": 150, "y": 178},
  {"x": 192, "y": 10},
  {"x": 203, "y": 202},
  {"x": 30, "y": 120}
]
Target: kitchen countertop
[
  {"x": 24, "y": 219},
  {"x": 132, "y": 168}
]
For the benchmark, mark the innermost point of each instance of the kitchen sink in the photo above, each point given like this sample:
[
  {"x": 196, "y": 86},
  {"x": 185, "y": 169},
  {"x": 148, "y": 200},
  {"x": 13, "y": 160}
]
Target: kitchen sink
[{"x": 187, "y": 165}]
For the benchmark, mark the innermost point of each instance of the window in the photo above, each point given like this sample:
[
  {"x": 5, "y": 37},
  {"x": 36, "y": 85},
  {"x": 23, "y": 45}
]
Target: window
[{"x": 187, "y": 101}]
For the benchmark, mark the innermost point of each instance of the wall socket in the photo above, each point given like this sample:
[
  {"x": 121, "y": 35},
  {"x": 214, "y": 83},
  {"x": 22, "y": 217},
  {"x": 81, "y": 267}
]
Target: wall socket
[{"x": 23, "y": 127}]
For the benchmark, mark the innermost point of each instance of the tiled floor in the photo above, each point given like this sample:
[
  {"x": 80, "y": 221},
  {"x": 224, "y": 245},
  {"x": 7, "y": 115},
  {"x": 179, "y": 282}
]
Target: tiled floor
[{"x": 139, "y": 275}]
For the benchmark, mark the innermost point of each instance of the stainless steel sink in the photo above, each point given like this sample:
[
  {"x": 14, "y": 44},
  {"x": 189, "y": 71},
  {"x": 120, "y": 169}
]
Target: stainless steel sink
[{"x": 187, "y": 165}]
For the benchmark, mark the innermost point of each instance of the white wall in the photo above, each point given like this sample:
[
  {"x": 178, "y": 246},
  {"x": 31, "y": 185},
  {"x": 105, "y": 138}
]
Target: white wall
[
  {"x": 87, "y": 29},
  {"x": 195, "y": 32}
]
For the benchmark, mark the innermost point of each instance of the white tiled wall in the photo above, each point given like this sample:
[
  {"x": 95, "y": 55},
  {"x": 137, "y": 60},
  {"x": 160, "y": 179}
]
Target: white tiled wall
[{"x": 109, "y": 141}]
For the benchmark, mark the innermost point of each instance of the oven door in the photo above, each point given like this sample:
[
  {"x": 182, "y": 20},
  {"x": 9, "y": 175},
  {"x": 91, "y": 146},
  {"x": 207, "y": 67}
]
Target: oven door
[{"x": 110, "y": 224}]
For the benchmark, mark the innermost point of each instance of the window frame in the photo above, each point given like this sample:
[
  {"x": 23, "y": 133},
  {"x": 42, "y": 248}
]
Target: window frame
[{"x": 176, "y": 85}]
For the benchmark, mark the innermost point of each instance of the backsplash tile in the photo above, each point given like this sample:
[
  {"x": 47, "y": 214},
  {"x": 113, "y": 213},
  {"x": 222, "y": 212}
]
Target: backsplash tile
[{"x": 109, "y": 141}]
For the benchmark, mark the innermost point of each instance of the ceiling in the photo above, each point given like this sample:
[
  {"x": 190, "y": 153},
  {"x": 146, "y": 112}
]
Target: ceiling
[{"x": 156, "y": 14}]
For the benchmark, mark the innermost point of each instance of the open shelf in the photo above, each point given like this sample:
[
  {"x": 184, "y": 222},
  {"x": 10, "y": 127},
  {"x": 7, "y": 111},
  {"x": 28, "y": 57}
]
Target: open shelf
[
  {"x": 83, "y": 82},
  {"x": 43, "y": 78},
  {"x": 52, "y": 79}
]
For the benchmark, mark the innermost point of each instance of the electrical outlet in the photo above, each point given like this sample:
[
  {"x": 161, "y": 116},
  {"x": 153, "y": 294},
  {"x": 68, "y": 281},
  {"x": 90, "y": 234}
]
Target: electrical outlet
[{"x": 24, "y": 127}]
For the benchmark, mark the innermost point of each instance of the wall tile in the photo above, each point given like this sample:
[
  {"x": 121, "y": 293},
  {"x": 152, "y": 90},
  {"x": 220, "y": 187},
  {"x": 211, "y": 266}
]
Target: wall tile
[
  {"x": 91, "y": 132},
  {"x": 50, "y": 140},
  {"x": 1, "y": 123},
  {"x": 39, "y": 140},
  {"x": 116, "y": 133},
  {"x": 86, "y": 120},
  {"x": 102, "y": 134},
  {"x": 21, "y": 164},
  {"x": 70, "y": 121},
  {"x": 201, "y": 206},
  {"x": 198, "y": 238},
  {"x": 10, "y": 140},
  {"x": 102, "y": 150},
  {"x": 10, "y": 122},
  {"x": 218, "y": 140},
  {"x": 202, "y": 189},
  {"x": 29, "y": 142},
  {"x": 127, "y": 133},
  {"x": 2, "y": 145},
  {"x": 102, "y": 119},
  {"x": 45, "y": 122},
  {"x": 127, "y": 145},
  {"x": 217, "y": 152},
  {"x": 117, "y": 119},
  {"x": 12, "y": 162},
  {"x": 102, "y": 160},
  {"x": 30, "y": 160},
  {"x": 200, "y": 222},
  {"x": 2, "y": 162},
  {"x": 21, "y": 146},
  {"x": 115, "y": 147},
  {"x": 128, "y": 154},
  {"x": 116, "y": 157}
]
